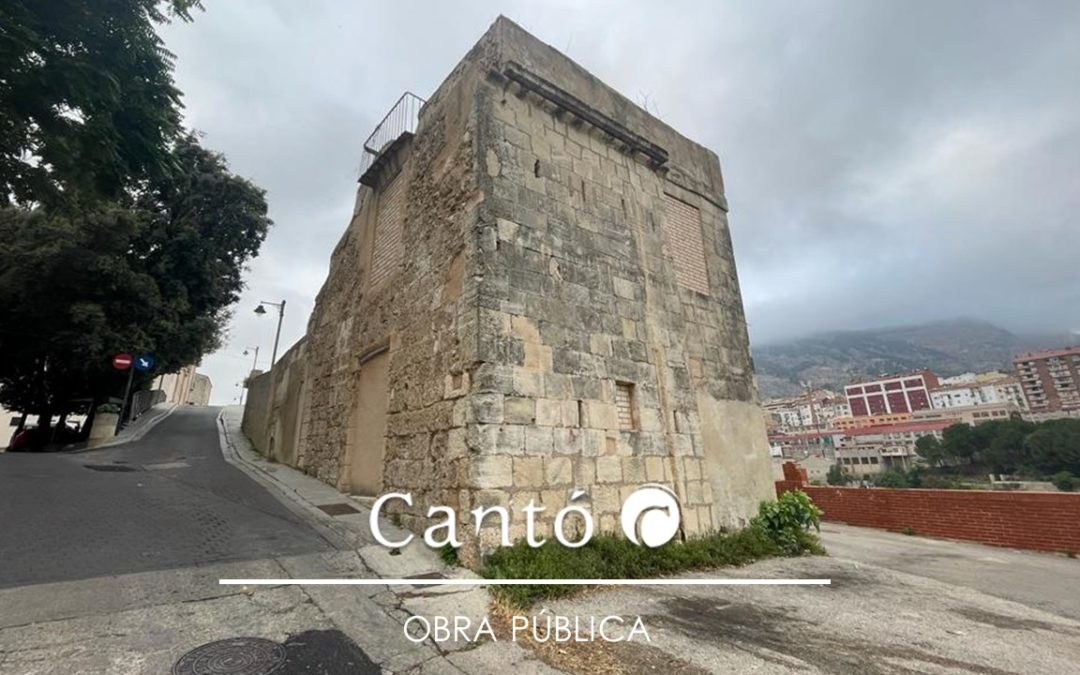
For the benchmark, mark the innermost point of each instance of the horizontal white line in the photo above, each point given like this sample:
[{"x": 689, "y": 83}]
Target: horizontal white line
[{"x": 524, "y": 582}]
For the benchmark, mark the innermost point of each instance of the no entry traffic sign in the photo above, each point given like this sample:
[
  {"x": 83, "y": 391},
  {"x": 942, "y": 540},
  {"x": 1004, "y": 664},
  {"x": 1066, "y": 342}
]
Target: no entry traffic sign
[{"x": 122, "y": 361}]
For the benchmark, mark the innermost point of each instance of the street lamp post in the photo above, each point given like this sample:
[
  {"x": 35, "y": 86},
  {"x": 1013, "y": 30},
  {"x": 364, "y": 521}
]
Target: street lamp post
[
  {"x": 255, "y": 361},
  {"x": 260, "y": 310},
  {"x": 254, "y": 365}
]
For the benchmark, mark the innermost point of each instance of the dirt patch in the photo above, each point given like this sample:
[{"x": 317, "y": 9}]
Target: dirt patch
[
  {"x": 776, "y": 636},
  {"x": 1009, "y": 622}
]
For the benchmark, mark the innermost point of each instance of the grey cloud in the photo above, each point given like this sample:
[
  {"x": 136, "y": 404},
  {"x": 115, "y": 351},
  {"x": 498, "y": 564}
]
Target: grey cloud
[{"x": 885, "y": 162}]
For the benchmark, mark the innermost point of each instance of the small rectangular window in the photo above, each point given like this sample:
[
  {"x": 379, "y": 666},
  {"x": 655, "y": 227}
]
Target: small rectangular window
[{"x": 624, "y": 405}]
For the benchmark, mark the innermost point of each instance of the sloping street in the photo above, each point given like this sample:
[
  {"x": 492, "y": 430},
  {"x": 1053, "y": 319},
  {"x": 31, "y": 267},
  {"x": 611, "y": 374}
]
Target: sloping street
[
  {"x": 169, "y": 500},
  {"x": 110, "y": 561}
]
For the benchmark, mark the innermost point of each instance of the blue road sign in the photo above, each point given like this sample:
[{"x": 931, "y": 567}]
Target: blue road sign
[{"x": 144, "y": 363}]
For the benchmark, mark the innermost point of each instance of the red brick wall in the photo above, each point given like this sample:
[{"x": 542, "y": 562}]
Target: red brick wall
[{"x": 1042, "y": 521}]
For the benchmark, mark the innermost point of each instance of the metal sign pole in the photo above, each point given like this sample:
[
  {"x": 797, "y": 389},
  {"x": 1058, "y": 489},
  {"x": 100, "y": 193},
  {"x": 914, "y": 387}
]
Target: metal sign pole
[{"x": 127, "y": 392}]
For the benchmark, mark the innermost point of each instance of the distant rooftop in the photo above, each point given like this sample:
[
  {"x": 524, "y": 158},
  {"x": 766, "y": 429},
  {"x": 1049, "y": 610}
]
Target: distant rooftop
[
  {"x": 1047, "y": 353},
  {"x": 903, "y": 427}
]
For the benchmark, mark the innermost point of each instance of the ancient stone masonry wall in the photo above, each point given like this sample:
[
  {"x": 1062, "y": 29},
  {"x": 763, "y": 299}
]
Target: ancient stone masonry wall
[
  {"x": 580, "y": 301},
  {"x": 429, "y": 378},
  {"x": 414, "y": 299},
  {"x": 563, "y": 313}
]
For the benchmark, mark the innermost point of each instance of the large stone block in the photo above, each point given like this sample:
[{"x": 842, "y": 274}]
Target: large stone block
[{"x": 492, "y": 471}]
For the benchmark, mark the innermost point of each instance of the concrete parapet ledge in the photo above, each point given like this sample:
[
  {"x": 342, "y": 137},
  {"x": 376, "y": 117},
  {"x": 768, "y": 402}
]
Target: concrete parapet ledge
[{"x": 132, "y": 432}]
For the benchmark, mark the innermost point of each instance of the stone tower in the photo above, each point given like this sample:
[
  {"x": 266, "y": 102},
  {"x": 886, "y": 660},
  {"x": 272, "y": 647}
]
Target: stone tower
[{"x": 536, "y": 294}]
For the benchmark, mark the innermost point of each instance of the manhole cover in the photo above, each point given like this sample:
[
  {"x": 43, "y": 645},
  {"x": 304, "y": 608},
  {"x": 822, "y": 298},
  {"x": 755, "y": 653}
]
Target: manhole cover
[
  {"x": 337, "y": 509},
  {"x": 108, "y": 467},
  {"x": 236, "y": 656}
]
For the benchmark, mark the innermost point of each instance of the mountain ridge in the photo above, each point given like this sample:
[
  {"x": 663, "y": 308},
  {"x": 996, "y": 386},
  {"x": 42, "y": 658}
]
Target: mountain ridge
[{"x": 832, "y": 359}]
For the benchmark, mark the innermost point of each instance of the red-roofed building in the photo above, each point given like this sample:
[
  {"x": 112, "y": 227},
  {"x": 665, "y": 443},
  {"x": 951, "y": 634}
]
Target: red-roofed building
[{"x": 891, "y": 394}]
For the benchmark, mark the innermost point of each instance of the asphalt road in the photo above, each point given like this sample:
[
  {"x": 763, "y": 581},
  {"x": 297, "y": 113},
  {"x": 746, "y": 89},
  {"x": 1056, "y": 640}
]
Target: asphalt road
[
  {"x": 166, "y": 501},
  {"x": 1045, "y": 581}
]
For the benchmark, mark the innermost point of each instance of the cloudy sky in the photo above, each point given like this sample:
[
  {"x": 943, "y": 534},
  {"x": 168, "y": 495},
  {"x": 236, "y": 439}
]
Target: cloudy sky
[{"x": 886, "y": 163}]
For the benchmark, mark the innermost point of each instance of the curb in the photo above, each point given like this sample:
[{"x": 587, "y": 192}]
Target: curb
[
  {"x": 136, "y": 435},
  {"x": 351, "y": 529},
  {"x": 337, "y": 536}
]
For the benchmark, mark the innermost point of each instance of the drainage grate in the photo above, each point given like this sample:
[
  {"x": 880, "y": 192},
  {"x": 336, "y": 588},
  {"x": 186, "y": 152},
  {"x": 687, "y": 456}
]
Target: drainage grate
[
  {"x": 337, "y": 509},
  {"x": 108, "y": 467},
  {"x": 236, "y": 656}
]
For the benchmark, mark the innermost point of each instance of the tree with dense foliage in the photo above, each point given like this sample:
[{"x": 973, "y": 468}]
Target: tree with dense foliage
[
  {"x": 87, "y": 100},
  {"x": 961, "y": 441},
  {"x": 1055, "y": 446},
  {"x": 118, "y": 231},
  {"x": 836, "y": 475},
  {"x": 154, "y": 275},
  {"x": 929, "y": 448},
  {"x": 1009, "y": 446}
]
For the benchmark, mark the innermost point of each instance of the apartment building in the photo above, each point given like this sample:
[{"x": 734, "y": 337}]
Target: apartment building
[
  {"x": 891, "y": 394},
  {"x": 1000, "y": 390},
  {"x": 813, "y": 410},
  {"x": 1050, "y": 379},
  {"x": 972, "y": 414}
]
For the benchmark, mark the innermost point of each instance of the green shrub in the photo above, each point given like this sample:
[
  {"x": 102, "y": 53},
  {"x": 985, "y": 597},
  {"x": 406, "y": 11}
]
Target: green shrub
[
  {"x": 108, "y": 409},
  {"x": 1065, "y": 481},
  {"x": 893, "y": 478},
  {"x": 449, "y": 555},
  {"x": 786, "y": 520},
  {"x": 609, "y": 557}
]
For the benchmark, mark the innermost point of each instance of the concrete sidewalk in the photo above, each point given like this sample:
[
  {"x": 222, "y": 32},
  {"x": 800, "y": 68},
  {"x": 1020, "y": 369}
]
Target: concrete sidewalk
[{"x": 312, "y": 496}]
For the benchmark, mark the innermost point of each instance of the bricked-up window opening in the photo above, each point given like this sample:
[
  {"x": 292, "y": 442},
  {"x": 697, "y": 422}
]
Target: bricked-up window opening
[
  {"x": 386, "y": 253},
  {"x": 682, "y": 230},
  {"x": 624, "y": 405}
]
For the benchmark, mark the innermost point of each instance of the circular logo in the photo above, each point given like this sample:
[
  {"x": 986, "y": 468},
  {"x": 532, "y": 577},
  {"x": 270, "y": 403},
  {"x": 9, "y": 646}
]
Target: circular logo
[{"x": 650, "y": 516}]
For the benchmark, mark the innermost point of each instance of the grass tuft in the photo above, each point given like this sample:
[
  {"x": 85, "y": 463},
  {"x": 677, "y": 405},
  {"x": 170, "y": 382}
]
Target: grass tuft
[{"x": 449, "y": 555}]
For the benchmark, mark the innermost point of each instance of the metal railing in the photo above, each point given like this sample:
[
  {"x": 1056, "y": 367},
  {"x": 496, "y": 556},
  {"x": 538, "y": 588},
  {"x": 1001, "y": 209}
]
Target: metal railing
[{"x": 403, "y": 117}]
